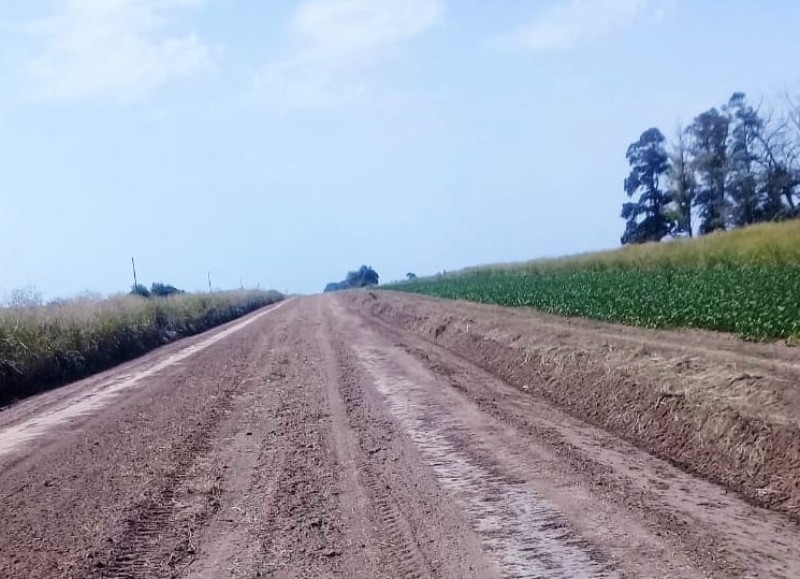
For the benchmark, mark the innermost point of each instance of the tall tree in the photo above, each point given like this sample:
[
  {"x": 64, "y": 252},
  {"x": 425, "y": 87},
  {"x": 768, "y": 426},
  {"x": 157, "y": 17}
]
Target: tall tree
[
  {"x": 792, "y": 157},
  {"x": 683, "y": 185},
  {"x": 709, "y": 139},
  {"x": 745, "y": 136},
  {"x": 778, "y": 178},
  {"x": 647, "y": 217}
]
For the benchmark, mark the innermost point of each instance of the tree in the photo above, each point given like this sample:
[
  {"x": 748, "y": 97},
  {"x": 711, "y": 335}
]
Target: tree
[
  {"x": 411, "y": 276},
  {"x": 365, "y": 276},
  {"x": 25, "y": 297},
  {"x": 647, "y": 218},
  {"x": 159, "y": 289},
  {"x": 746, "y": 127},
  {"x": 140, "y": 290},
  {"x": 779, "y": 167},
  {"x": 683, "y": 185},
  {"x": 791, "y": 157},
  {"x": 709, "y": 140}
]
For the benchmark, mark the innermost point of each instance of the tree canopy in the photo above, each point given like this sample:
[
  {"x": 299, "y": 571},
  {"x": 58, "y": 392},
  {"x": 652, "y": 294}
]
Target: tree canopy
[
  {"x": 732, "y": 166},
  {"x": 364, "y": 276},
  {"x": 646, "y": 217}
]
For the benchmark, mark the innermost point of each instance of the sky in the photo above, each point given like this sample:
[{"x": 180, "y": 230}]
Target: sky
[{"x": 283, "y": 143}]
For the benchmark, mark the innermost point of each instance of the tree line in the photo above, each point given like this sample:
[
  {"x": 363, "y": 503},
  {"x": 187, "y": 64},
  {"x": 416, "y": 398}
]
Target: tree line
[
  {"x": 364, "y": 276},
  {"x": 732, "y": 166}
]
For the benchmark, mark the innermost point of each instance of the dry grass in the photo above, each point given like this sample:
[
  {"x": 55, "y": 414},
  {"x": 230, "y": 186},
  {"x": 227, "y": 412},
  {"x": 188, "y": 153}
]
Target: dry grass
[
  {"x": 44, "y": 346},
  {"x": 766, "y": 244}
]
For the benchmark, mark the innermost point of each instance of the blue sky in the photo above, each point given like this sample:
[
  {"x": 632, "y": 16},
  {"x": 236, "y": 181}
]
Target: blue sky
[{"x": 283, "y": 143}]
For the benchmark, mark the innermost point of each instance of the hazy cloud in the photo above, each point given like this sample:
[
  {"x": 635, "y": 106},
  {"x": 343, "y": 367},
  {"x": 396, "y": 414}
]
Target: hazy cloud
[
  {"x": 337, "y": 43},
  {"x": 571, "y": 23},
  {"x": 112, "y": 49}
]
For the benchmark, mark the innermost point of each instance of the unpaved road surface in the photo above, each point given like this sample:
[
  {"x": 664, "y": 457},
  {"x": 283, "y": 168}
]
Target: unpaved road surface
[{"x": 315, "y": 440}]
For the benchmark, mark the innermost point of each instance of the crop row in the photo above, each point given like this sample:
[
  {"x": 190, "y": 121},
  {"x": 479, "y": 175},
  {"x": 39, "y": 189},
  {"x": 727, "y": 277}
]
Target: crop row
[{"x": 754, "y": 302}]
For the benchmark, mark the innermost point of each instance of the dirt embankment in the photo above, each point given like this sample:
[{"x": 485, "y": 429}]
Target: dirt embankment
[{"x": 726, "y": 410}]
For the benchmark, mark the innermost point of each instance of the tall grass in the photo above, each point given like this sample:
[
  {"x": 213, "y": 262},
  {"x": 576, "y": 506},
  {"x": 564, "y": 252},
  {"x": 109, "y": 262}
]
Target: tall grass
[
  {"x": 45, "y": 346},
  {"x": 762, "y": 245}
]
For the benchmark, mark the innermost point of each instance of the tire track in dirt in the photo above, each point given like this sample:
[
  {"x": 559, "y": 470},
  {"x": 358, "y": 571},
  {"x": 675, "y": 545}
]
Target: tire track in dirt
[
  {"x": 323, "y": 442},
  {"x": 301, "y": 534},
  {"x": 158, "y": 541},
  {"x": 417, "y": 532},
  {"x": 369, "y": 494},
  {"x": 693, "y": 527},
  {"x": 524, "y": 534},
  {"x": 410, "y": 562}
]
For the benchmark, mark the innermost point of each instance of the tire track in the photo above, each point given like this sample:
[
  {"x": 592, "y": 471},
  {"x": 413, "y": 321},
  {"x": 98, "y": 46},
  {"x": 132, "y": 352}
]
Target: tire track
[
  {"x": 526, "y": 534},
  {"x": 161, "y": 534},
  {"x": 402, "y": 544},
  {"x": 406, "y": 529},
  {"x": 152, "y": 545}
]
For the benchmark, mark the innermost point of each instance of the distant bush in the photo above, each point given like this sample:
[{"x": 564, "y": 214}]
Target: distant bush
[
  {"x": 44, "y": 346},
  {"x": 364, "y": 276},
  {"x": 25, "y": 297},
  {"x": 163, "y": 290},
  {"x": 140, "y": 290}
]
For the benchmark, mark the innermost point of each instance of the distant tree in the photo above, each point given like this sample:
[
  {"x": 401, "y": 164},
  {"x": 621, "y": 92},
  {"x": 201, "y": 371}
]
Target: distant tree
[
  {"x": 647, "y": 217},
  {"x": 778, "y": 176},
  {"x": 683, "y": 185},
  {"x": 709, "y": 134},
  {"x": 140, "y": 290},
  {"x": 411, "y": 276},
  {"x": 745, "y": 137},
  {"x": 335, "y": 286},
  {"x": 25, "y": 297},
  {"x": 159, "y": 289},
  {"x": 786, "y": 158},
  {"x": 365, "y": 276}
]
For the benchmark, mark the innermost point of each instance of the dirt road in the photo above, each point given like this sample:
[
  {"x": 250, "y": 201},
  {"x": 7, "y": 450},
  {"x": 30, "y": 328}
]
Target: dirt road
[{"x": 314, "y": 439}]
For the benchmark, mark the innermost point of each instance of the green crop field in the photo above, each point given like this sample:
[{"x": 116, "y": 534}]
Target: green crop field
[{"x": 746, "y": 282}]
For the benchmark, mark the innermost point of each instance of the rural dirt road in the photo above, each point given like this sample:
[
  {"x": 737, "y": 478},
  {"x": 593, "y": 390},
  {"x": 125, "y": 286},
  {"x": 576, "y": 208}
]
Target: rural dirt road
[{"x": 314, "y": 439}]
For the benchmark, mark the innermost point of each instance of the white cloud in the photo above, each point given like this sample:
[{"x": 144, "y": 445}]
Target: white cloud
[
  {"x": 571, "y": 23},
  {"x": 337, "y": 44},
  {"x": 111, "y": 49}
]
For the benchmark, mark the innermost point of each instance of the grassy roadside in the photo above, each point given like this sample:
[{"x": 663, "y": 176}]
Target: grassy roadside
[
  {"x": 745, "y": 281},
  {"x": 762, "y": 245},
  {"x": 46, "y": 346}
]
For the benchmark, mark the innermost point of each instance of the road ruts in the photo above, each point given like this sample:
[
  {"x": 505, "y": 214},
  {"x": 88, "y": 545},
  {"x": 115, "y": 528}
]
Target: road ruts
[{"x": 315, "y": 440}]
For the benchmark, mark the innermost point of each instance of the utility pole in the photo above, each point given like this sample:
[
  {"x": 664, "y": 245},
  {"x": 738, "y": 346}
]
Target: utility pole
[
  {"x": 133, "y": 263},
  {"x": 209, "y": 282}
]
